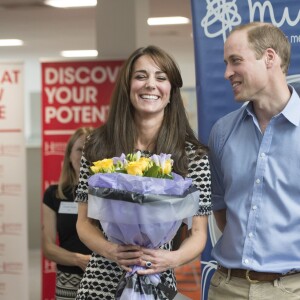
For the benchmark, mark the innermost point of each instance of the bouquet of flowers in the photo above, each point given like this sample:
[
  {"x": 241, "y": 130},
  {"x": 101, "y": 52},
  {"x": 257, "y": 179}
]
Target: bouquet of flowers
[{"x": 140, "y": 201}]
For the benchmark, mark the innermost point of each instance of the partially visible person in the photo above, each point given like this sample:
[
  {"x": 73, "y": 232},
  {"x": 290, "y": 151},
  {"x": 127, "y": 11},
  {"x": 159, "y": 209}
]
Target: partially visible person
[
  {"x": 255, "y": 156},
  {"x": 146, "y": 114},
  {"x": 60, "y": 217}
]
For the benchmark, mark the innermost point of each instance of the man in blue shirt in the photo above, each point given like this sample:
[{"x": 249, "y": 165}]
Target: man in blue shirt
[{"x": 255, "y": 164}]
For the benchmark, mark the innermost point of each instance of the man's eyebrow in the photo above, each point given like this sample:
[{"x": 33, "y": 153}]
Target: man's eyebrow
[
  {"x": 231, "y": 57},
  {"x": 234, "y": 55}
]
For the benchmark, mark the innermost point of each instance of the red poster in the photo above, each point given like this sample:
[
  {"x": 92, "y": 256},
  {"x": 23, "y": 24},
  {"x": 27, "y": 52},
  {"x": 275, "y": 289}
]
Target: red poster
[{"x": 74, "y": 94}]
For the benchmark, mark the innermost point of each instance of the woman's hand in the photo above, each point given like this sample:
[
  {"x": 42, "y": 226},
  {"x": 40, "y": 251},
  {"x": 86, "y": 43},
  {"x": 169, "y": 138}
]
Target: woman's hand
[
  {"x": 161, "y": 260},
  {"x": 82, "y": 260},
  {"x": 90, "y": 234},
  {"x": 190, "y": 249},
  {"x": 126, "y": 255}
]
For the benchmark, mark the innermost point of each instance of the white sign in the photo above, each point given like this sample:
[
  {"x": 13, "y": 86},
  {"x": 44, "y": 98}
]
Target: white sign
[{"x": 13, "y": 203}]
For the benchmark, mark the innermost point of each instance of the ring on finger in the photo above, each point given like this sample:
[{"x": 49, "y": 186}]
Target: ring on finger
[{"x": 148, "y": 264}]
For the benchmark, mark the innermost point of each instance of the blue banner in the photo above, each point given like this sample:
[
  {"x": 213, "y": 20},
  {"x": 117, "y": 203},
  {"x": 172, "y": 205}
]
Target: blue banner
[{"x": 212, "y": 21}]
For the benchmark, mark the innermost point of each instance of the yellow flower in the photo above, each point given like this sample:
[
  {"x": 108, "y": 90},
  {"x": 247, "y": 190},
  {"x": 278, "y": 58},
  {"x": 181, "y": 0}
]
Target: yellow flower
[
  {"x": 95, "y": 169},
  {"x": 159, "y": 166},
  {"x": 135, "y": 168},
  {"x": 104, "y": 166},
  {"x": 167, "y": 167},
  {"x": 145, "y": 163}
]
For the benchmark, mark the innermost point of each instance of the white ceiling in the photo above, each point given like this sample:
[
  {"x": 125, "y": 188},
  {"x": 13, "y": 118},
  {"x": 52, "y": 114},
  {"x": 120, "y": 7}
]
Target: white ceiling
[{"x": 46, "y": 31}]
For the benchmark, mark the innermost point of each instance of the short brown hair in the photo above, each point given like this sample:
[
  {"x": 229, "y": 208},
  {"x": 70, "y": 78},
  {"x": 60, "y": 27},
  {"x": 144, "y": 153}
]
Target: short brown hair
[{"x": 262, "y": 36}]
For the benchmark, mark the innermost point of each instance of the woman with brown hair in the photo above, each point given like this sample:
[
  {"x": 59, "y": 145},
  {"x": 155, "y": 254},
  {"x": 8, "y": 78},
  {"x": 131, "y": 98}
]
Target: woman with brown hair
[{"x": 146, "y": 114}]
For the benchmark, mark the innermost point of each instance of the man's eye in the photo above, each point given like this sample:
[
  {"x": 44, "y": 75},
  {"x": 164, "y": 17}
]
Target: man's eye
[{"x": 236, "y": 60}]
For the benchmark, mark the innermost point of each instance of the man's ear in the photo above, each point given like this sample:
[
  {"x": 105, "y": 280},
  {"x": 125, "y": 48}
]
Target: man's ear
[{"x": 270, "y": 56}]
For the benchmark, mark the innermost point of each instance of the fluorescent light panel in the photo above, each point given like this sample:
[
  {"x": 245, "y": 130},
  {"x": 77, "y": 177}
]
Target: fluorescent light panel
[
  {"x": 11, "y": 42},
  {"x": 79, "y": 53},
  {"x": 168, "y": 21},
  {"x": 70, "y": 3}
]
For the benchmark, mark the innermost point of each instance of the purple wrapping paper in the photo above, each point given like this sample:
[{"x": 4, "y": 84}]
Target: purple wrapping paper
[
  {"x": 143, "y": 185},
  {"x": 141, "y": 211}
]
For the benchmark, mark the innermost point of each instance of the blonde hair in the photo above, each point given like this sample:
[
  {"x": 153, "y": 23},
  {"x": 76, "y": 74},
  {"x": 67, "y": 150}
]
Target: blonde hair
[{"x": 68, "y": 178}]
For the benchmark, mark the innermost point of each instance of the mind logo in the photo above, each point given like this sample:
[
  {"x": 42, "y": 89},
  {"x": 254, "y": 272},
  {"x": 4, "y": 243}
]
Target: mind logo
[{"x": 221, "y": 16}]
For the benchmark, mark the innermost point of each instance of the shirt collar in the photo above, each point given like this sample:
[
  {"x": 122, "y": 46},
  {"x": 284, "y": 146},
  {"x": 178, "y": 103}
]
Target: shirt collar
[{"x": 291, "y": 111}]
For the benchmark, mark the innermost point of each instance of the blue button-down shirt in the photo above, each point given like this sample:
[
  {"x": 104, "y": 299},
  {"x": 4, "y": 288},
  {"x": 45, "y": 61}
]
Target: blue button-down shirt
[{"x": 256, "y": 177}]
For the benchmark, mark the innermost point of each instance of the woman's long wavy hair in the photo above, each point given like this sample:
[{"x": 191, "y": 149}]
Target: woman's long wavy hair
[
  {"x": 68, "y": 179},
  {"x": 119, "y": 134}
]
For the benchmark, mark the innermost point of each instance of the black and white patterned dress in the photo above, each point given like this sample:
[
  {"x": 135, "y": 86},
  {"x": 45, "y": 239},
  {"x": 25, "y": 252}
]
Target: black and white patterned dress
[{"x": 102, "y": 276}]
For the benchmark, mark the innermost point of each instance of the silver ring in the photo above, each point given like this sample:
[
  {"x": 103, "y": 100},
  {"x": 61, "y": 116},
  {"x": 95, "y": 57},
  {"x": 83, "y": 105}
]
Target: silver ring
[{"x": 148, "y": 264}]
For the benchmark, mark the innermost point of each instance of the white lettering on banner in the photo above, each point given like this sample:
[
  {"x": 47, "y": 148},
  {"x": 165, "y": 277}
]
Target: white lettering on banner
[
  {"x": 223, "y": 15},
  {"x": 55, "y": 148},
  {"x": 78, "y": 95},
  {"x": 267, "y": 4},
  {"x": 76, "y": 114},
  {"x": 223, "y": 12},
  {"x": 295, "y": 39},
  {"x": 49, "y": 266},
  {"x": 81, "y": 75}
]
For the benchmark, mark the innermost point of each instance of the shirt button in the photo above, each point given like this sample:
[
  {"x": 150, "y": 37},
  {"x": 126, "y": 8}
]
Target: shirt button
[
  {"x": 246, "y": 261},
  {"x": 250, "y": 235},
  {"x": 262, "y": 154},
  {"x": 254, "y": 207},
  {"x": 257, "y": 181}
]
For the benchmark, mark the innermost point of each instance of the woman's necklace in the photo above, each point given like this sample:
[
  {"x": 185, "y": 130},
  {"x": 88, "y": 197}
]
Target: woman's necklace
[{"x": 144, "y": 153}]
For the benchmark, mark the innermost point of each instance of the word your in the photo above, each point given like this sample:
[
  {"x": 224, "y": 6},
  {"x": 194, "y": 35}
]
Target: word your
[{"x": 65, "y": 95}]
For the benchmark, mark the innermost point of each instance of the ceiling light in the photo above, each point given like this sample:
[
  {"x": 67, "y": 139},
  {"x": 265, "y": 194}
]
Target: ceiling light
[
  {"x": 71, "y": 3},
  {"x": 11, "y": 42},
  {"x": 79, "y": 53},
  {"x": 167, "y": 21}
]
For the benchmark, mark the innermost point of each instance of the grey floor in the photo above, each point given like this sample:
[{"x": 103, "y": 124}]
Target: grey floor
[{"x": 35, "y": 275}]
